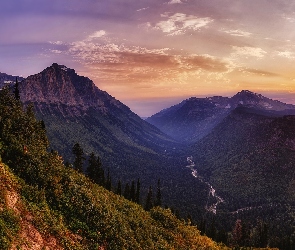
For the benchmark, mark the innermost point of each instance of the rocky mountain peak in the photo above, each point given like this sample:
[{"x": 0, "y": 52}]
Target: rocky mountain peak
[
  {"x": 59, "y": 84},
  {"x": 251, "y": 99}
]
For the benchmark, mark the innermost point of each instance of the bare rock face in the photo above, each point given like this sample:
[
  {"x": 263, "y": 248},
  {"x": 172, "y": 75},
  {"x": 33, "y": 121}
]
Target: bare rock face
[{"x": 59, "y": 85}]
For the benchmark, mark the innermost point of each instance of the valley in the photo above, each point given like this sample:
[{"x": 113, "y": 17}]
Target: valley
[{"x": 244, "y": 147}]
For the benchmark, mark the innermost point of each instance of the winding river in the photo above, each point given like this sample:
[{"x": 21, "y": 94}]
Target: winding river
[{"x": 211, "y": 191}]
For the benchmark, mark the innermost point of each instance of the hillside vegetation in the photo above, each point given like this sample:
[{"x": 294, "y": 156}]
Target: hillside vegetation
[{"x": 46, "y": 205}]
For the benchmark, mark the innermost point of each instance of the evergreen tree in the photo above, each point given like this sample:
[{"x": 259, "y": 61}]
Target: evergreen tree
[
  {"x": 238, "y": 233},
  {"x": 91, "y": 169},
  {"x": 158, "y": 201},
  {"x": 100, "y": 178},
  {"x": 127, "y": 191},
  {"x": 16, "y": 90},
  {"x": 79, "y": 159},
  {"x": 132, "y": 191},
  {"x": 119, "y": 188},
  {"x": 137, "y": 194},
  {"x": 108, "y": 183},
  {"x": 149, "y": 200}
]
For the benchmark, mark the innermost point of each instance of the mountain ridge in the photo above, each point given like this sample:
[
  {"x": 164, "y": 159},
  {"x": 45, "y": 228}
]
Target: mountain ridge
[{"x": 194, "y": 118}]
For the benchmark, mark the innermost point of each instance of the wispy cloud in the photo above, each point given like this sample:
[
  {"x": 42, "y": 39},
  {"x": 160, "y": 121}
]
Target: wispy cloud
[
  {"x": 142, "y": 9},
  {"x": 180, "y": 23},
  {"x": 286, "y": 54},
  {"x": 260, "y": 72},
  {"x": 97, "y": 34},
  {"x": 248, "y": 52},
  {"x": 289, "y": 18},
  {"x": 175, "y": 2},
  {"x": 238, "y": 33}
]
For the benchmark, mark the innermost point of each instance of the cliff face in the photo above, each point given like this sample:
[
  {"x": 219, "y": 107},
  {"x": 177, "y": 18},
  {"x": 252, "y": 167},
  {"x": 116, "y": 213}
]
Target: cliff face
[{"x": 59, "y": 85}]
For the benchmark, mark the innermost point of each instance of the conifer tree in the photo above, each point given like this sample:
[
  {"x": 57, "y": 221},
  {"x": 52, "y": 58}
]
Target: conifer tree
[
  {"x": 16, "y": 90},
  {"x": 79, "y": 158},
  {"x": 132, "y": 191},
  {"x": 127, "y": 191},
  {"x": 158, "y": 201},
  {"x": 149, "y": 200},
  {"x": 119, "y": 188},
  {"x": 100, "y": 178},
  {"x": 108, "y": 183},
  {"x": 91, "y": 169},
  {"x": 238, "y": 233},
  {"x": 137, "y": 194}
]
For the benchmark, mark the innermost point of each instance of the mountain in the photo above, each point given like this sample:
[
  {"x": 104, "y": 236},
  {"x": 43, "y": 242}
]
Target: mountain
[
  {"x": 47, "y": 205},
  {"x": 248, "y": 159},
  {"x": 194, "y": 118},
  {"x": 250, "y": 150},
  {"x": 8, "y": 79},
  {"x": 75, "y": 110}
]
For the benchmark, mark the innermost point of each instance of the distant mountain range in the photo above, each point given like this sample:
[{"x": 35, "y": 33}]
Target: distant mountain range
[
  {"x": 8, "y": 79},
  {"x": 194, "y": 118}
]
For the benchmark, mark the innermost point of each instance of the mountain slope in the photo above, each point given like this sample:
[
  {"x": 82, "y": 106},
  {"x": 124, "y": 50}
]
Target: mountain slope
[
  {"x": 194, "y": 118},
  {"x": 75, "y": 110},
  {"x": 249, "y": 157},
  {"x": 46, "y": 205}
]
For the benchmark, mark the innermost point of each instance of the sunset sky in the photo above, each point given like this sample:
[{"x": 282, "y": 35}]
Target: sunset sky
[{"x": 151, "y": 54}]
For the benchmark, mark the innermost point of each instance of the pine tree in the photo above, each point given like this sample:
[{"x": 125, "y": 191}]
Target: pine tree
[
  {"x": 91, "y": 169},
  {"x": 79, "y": 159},
  {"x": 108, "y": 183},
  {"x": 149, "y": 200},
  {"x": 119, "y": 188},
  {"x": 137, "y": 194},
  {"x": 132, "y": 191},
  {"x": 158, "y": 201},
  {"x": 127, "y": 191},
  {"x": 238, "y": 233},
  {"x": 100, "y": 179},
  {"x": 16, "y": 90}
]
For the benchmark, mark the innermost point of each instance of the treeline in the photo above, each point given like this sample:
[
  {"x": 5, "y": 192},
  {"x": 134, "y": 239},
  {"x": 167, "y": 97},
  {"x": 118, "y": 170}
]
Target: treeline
[{"x": 95, "y": 171}]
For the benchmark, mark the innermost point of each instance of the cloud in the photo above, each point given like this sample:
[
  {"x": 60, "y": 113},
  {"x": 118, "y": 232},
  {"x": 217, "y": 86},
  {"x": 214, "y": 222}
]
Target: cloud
[
  {"x": 97, "y": 34},
  {"x": 287, "y": 54},
  {"x": 55, "y": 51},
  {"x": 175, "y": 2},
  {"x": 289, "y": 18},
  {"x": 248, "y": 52},
  {"x": 119, "y": 64},
  {"x": 56, "y": 42},
  {"x": 238, "y": 33},
  {"x": 143, "y": 9},
  {"x": 180, "y": 23},
  {"x": 260, "y": 72},
  {"x": 204, "y": 62}
]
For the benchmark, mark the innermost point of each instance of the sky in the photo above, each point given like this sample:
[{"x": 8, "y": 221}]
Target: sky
[{"x": 151, "y": 54}]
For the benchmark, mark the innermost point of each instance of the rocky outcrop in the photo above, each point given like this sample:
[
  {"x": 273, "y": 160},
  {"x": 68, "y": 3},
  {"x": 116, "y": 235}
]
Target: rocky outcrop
[{"x": 60, "y": 85}]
